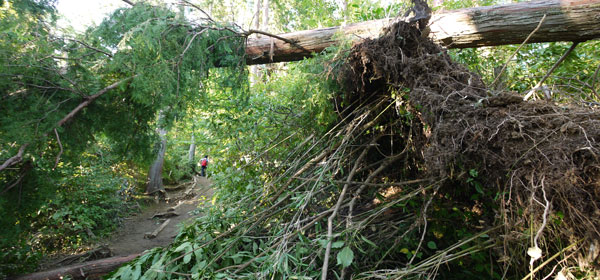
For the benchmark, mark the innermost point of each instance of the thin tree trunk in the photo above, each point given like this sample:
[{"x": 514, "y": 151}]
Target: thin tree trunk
[
  {"x": 256, "y": 25},
  {"x": 192, "y": 150},
  {"x": 155, "y": 174}
]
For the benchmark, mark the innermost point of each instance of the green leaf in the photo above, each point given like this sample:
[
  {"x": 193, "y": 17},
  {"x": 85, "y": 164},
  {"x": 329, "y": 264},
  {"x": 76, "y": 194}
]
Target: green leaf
[
  {"x": 478, "y": 188},
  {"x": 473, "y": 173},
  {"x": 187, "y": 258},
  {"x": 345, "y": 257},
  {"x": 431, "y": 245},
  {"x": 368, "y": 241},
  {"x": 137, "y": 272},
  {"x": 183, "y": 246},
  {"x": 337, "y": 244}
]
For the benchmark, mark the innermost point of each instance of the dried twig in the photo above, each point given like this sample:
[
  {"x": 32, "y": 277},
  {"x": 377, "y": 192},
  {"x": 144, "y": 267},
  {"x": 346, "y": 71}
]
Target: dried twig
[
  {"x": 517, "y": 50},
  {"x": 558, "y": 62},
  {"x": 335, "y": 210}
]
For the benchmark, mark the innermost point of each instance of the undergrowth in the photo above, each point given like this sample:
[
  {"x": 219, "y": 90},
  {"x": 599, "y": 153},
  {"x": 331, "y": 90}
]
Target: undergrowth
[{"x": 67, "y": 210}]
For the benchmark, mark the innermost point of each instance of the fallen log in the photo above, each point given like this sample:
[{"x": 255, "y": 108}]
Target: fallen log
[
  {"x": 170, "y": 213},
  {"x": 155, "y": 233},
  {"x": 87, "y": 270},
  {"x": 566, "y": 20},
  {"x": 98, "y": 253}
]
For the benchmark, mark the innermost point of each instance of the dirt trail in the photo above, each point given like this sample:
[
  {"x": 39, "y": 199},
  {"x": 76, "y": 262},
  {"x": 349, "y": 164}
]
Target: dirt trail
[{"x": 130, "y": 238}]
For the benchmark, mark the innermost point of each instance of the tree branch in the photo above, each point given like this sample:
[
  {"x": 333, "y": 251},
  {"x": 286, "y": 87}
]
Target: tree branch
[
  {"x": 517, "y": 50},
  {"x": 128, "y": 2},
  {"x": 15, "y": 159},
  {"x": 89, "y": 99},
  {"x": 90, "y": 47},
  {"x": 560, "y": 60},
  {"x": 188, "y": 3},
  {"x": 335, "y": 210}
]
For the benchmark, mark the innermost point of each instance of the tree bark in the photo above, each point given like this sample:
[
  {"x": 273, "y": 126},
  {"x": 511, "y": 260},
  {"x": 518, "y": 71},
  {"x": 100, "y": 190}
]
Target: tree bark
[
  {"x": 192, "y": 150},
  {"x": 566, "y": 20},
  {"x": 155, "y": 174},
  {"x": 87, "y": 270}
]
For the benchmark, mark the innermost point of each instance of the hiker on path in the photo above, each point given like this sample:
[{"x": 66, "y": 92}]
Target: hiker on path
[{"x": 204, "y": 163}]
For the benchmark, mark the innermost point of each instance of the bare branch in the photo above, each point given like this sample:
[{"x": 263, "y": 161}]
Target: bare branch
[
  {"x": 128, "y": 2},
  {"x": 15, "y": 159},
  {"x": 21, "y": 175},
  {"x": 90, "y": 47},
  {"x": 89, "y": 100},
  {"x": 188, "y": 3},
  {"x": 335, "y": 210},
  {"x": 517, "y": 50},
  {"x": 560, "y": 60}
]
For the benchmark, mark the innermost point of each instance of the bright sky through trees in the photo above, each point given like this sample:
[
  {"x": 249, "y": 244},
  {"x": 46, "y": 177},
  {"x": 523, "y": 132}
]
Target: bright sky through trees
[{"x": 82, "y": 13}]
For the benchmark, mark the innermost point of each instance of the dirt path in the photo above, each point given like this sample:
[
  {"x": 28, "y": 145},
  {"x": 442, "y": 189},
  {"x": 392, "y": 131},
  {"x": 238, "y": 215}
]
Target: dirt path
[{"x": 130, "y": 238}]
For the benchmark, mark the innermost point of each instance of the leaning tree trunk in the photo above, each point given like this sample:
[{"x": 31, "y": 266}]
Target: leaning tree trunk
[
  {"x": 155, "y": 174},
  {"x": 566, "y": 20}
]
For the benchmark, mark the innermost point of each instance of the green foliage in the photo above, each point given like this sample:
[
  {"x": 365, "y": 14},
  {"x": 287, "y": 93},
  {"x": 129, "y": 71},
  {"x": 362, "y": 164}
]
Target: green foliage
[
  {"x": 571, "y": 81},
  {"x": 251, "y": 132},
  {"x": 86, "y": 200},
  {"x": 45, "y": 76},
  {"x": 57, "y": 210}
]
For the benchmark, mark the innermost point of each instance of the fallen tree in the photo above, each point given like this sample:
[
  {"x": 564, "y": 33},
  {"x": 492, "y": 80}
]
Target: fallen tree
[
  {"x": 570, "y": 20},
  {"x": 87, "y": 270}
]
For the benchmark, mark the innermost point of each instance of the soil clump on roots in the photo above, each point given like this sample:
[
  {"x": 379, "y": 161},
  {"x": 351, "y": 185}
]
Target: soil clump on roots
[{"x": 533, "y": 166}]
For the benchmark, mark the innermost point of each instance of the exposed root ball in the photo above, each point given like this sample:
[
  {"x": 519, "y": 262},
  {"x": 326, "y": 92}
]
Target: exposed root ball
[{"x": 541, "y": 158}]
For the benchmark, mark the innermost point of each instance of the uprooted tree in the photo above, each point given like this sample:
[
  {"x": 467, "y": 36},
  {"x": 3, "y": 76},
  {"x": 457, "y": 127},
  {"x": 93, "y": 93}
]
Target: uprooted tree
[{"x": 421, "y": 146}]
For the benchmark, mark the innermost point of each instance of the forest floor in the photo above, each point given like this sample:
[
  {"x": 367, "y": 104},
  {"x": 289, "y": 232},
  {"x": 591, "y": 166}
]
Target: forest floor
[{"x": 130, "y": 238}]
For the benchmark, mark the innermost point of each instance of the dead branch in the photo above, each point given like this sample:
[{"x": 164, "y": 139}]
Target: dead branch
[
  {"x": 289, "y": 41},
  {"x": 88, "y": 270},
  {"x": 335, "y": 210},
  {"x": 190, "y": 4},
  {"x": 15, "y": 159},
  {"x": 558, "y": 62},
  {"x": 517, "y": 50},
  {"x": 157, "y": 231}
]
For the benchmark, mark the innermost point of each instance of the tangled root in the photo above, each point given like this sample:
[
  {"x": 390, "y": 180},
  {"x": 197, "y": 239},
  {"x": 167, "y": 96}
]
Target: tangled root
[{"x": 540, "y": 158}]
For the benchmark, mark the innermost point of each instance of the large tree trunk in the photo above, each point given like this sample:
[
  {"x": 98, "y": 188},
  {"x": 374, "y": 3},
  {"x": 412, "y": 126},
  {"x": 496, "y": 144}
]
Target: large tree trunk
[
  {"x": 88, "y": 270},
  {"x": 566, "y": 20}
]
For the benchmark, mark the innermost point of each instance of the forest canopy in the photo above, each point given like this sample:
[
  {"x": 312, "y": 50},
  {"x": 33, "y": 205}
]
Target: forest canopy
[{"x": 384, "y": 158}]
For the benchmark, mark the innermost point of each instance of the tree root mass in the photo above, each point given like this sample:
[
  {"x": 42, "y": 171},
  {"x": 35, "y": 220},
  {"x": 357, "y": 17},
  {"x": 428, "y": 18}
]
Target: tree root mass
[{"x": 539, "y": 159}]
